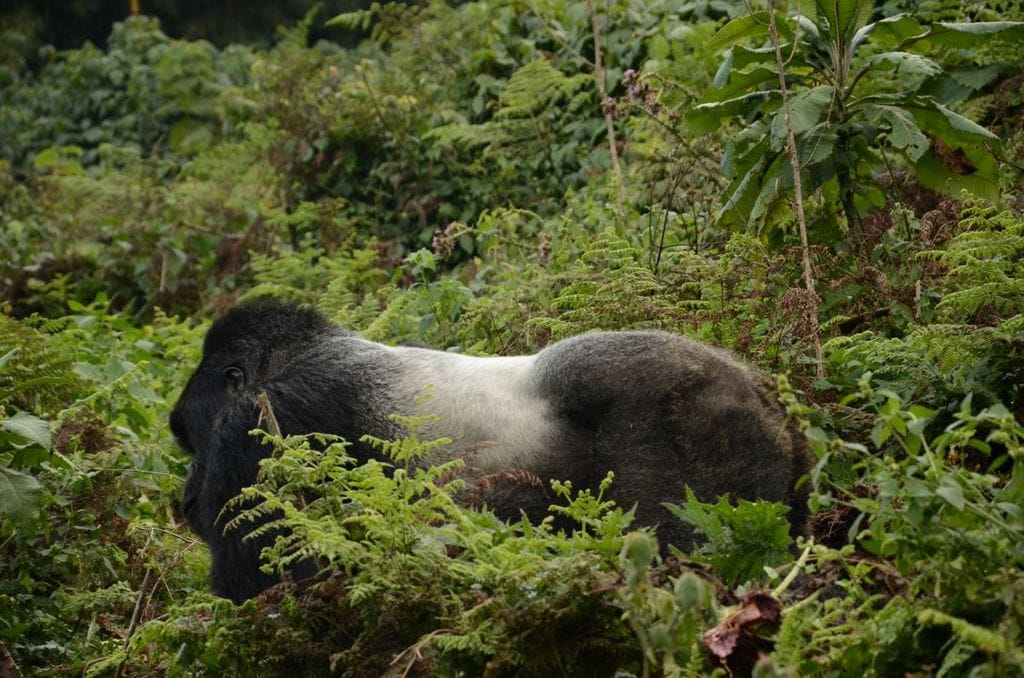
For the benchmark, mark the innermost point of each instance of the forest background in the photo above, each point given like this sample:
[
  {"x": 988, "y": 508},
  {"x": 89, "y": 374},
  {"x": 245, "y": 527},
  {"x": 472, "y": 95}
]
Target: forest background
[{"x": 832, "y": 190}]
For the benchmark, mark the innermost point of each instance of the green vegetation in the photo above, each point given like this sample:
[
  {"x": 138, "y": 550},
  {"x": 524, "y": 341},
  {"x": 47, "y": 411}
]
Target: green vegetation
[{"x": 488, "y": 178}]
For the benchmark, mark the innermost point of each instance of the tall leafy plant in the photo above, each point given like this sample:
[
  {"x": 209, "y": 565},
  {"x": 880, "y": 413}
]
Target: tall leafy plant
[{"x": 857, "y": 93}]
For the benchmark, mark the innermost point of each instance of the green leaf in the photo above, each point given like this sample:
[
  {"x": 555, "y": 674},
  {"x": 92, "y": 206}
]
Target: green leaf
[
  {"x": 951, "y": 491},
  {"x": 889, "y": 32},
  {"x": 904, "y": 134},
  {"x": 845, "y": 17},
  {"x": 19, "y": 494},
  {"x": 816, "y": 146},
  {"x": 736, "y": 82},
  {"x": 977, "y": 77},
  {"x": 777, "y": 179},
  {"x": 960, "y": 84},
  {"x": 723, "y": 72},
  {"x": 745, "y": 150},
  {"x": 746, "y": 26},
  {"x": 806, "y": 110},
  {"x": 965, "y": 126},
  {"x": 968, "y": 35},
  {"x": 807, "y": 25},
  {"x": 59, "y": 160},
  {"x": 744, "y": 189},
  {"x": 638, "y": 549},
  {"x": 953, "y": 128},
  {"x": 879, "y": 435},
  {"x": 982, "y": 180},
  {"x": 707, "y": 117},
  {"x": 745, "y": 56},
  {"x": 29, "y": 427},
  {"x": 905, "y": 63}
]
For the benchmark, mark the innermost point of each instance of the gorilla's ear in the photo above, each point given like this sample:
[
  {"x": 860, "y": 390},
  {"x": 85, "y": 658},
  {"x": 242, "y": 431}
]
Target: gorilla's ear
[{"x": 234, "y": 380}]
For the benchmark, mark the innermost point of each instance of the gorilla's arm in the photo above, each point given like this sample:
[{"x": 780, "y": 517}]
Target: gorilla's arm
[{"x": 219, "y": 475}]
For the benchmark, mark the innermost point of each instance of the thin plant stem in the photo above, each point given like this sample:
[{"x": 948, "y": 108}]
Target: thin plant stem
[
  {"x": 602, "y": 87},
  {"x": 794, "y": 162}
]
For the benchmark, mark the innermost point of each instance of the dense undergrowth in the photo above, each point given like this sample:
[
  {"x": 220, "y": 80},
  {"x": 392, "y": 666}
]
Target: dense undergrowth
[{"x": 481, "y": 180}]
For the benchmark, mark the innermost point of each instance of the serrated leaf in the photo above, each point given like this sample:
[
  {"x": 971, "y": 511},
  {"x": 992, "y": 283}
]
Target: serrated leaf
[
  {"x": 953, "y": 128},
  {"x": 19, "y": 494},
  {"x": 904, "y": 133},
  {"x": 977, "y": 77},
  {"x": 959, "y": 84},
  {"x": 29, "y": 427},
  {"x": 983, "y": 182},
  {"x": 817, "y": 146},
  {"x": 965, "y": 126},
  {"x": 806, "y": 109},
  {"x": 906, "y": 63},
  {"x": 977, "y": 34}
]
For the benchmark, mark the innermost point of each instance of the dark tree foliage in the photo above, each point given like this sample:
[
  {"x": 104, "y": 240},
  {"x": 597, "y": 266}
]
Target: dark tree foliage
[{"x": 69, "y": 25}]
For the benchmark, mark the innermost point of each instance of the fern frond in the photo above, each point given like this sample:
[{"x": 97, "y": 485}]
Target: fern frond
[
  {"x": 524, "y": 117},
  {"x": 35, "y": 375},
  {"x": 984, "y": 265}
]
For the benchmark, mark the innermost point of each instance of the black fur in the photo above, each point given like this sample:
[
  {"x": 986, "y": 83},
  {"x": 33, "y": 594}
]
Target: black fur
[{"x": 659, "y": 410}]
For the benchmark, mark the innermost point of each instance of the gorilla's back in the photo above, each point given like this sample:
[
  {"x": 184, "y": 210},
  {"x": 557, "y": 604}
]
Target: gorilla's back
[{"x": 664, "y": 412}]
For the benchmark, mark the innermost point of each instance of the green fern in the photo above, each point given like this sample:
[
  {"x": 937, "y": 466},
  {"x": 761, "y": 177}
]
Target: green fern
[
  {"x": 933, "y": 364},
  {"x": 384, "y": 21},
  {"x": 612, "y": 287},
  {"x": 985, "y": 266},
  {"x": 34, "y": 374},
  {"x": 538, "y": 101}
]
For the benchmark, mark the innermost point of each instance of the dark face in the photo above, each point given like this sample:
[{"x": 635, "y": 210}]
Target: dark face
[
  {"x": 216, "y": 384},
  {"x": 210, "y": 421},
  {"x": 251, "y": 349}
]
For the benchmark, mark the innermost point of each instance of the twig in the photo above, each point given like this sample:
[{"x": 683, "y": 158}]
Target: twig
[
  {"x": 797, "y": 567},
  {"x": 8, "y": 668},
  {"x": 267, "y": 415},
  {"x": 794, "y": 162},
  {"x": 414, "y": 650},
  {"x": 136, "y": 615},
  {"x": 602, "y": 89}
]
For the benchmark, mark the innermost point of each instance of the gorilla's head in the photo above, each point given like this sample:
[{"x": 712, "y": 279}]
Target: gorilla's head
[{"x": 249, "y": 344}]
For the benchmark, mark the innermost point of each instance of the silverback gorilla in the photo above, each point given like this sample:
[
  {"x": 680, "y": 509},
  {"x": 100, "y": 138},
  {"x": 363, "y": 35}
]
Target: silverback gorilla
[{"x": 659, "y": 410}]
